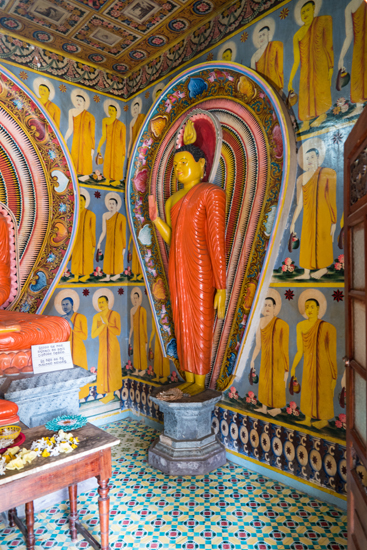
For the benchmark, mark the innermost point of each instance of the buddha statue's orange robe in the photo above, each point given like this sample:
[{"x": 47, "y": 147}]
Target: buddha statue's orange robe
[
  {"x": 270, "y": 64},
  {"x": 54, "y": 112},
  {"x": 84, "y": 125},
  {"x": 317, "y": 57},
  {"x": 358, "y": 84},
  {"x": 34, "y": 330},
  {"x": 197, "y": 268},
  {"x": 5, "y": 281}
]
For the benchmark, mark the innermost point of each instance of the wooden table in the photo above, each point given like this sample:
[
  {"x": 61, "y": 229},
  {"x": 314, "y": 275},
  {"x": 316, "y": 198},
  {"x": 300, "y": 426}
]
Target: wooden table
[{"x": 92, "y": 458}]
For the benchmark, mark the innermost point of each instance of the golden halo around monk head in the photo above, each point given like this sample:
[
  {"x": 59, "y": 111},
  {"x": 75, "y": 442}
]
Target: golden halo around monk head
[
  {"x": 313, "y": 143},
  {"x": 112, "y": 195},
  {"x": 114, "y": 103},
  {"x": 85, "y": 96},
  {"x": 299, "y": 6},
  {"x": 134, "y": 102},
  {"x": 267, "y": 22},
  {"x": 103, "y": 292},
  {"x": 309, "y": 294},
  {"x": 66, "y": 293},
  {"x": 41, "y": 81},
  {"x": 86, "y": 194},
  {"x": 136, "y": 290},
  {"x": 272, "y": 293},
  {"x": 230, "y": 45}
]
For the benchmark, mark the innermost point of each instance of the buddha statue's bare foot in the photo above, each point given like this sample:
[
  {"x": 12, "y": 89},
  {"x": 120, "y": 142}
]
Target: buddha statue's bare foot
[
  {"x": 320, "y": 424},
  {"x": 194, "y": 389},
  {"x": 320, "y": 273},
  {"x": 320, "y": 119},
  {"x": 183, "y": 387}
]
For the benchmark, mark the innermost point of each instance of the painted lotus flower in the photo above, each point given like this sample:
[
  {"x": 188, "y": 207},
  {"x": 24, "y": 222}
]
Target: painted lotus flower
[{"x": 140, "y": 180}]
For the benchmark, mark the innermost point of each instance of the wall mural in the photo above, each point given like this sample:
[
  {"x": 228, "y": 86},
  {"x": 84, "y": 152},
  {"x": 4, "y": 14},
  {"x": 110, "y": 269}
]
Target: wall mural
[{"x": 265, "y": 44}]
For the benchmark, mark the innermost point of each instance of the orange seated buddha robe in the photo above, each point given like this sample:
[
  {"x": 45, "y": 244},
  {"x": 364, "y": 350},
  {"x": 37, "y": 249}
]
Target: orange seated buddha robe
[{"x": 197, "y": 268}]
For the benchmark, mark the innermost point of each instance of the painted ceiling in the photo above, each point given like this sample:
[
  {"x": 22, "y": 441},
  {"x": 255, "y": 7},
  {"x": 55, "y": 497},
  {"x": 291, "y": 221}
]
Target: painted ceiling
[{"x": 117, "y": 35}]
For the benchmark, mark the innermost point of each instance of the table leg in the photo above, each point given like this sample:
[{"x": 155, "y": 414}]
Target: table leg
[
  {"x": 104, "y": 511},
  {"x": 11, "y": 514},
  {"x": 73, "y": 517},
  {"x": 29, "y": 514}
]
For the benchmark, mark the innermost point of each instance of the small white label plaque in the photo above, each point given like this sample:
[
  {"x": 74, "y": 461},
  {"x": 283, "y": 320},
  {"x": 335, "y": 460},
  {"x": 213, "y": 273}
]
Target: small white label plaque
[{"x": 50, "y": 357}]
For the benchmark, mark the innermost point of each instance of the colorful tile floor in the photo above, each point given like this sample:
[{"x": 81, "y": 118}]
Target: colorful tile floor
[{"x": 232, "y": 508}]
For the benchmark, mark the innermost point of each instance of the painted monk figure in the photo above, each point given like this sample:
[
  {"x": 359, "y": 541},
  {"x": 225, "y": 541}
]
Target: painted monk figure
[
  {"x": 316, "y": 343},
  {"x": 53, "y": 110},
  {"x": 316, "y": 195},
  {"x": 114, "y": 134},
  {"x": 195, "y": 231},
  {"x": 79, "y": 333},
  {"x": 356, "y": 28},
  {"x": 272, "y": 338},
  {"x": 138, "y": 329},
  {"x": 107, "y": 326},
  {"x": 135, "y": 264},
  {"x": 135, "y": 124},
  {"x": 82, "y": 125},
  {"x": 114, "y": 229},
  {"x": 161, "y": 365},
  {"x": 85, "y": 244},
  {"x": 268, "y": 58},
  {"x": 313, "y": 49}
]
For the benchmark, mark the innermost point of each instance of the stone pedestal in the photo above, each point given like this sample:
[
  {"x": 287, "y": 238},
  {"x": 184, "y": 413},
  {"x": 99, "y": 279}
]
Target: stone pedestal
[
  {"x": 188, "y": 445},
  {"x": 41, "y": 397}
]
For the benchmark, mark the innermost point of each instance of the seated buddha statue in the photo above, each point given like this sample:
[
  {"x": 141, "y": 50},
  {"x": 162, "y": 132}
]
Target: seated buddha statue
[
  {"x": 20, "y": 331},
  {"x": 195, "y": 231}
]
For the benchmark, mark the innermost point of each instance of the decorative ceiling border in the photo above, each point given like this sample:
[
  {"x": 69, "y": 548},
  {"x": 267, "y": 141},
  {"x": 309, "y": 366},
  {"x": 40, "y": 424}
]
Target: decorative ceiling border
[{"x": 224, "y": 24}]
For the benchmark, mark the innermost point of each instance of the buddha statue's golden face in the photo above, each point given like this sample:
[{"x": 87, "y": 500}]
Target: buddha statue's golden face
[{"x": 187, "y": 170}]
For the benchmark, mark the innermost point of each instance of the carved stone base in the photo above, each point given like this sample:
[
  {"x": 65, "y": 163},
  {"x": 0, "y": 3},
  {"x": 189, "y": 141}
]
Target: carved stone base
[
  {"x": 188, "y": 445},
  {"x": 42, "y": 397}
]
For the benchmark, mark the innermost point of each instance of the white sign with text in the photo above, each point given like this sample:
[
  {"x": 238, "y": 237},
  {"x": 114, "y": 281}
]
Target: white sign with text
[{"x": 51, "y": 357}]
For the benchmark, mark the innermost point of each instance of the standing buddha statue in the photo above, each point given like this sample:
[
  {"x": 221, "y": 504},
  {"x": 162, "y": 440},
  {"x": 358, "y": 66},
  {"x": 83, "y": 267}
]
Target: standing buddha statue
[{"x": 195, "y": 231}]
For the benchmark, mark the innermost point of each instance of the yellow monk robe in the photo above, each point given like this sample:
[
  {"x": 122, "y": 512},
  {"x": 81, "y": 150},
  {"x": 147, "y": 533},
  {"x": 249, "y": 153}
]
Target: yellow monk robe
[
  {"x": 109, "y": 377},
  {"x": 115, "y": 244},
  {"x": 115, "y": 151},
  {"x": 319, "y": 369},
  {"x": 358, "y": 83},
  {"x": 317, "y": 57},
  {"x": 78, "y": 351},
  {"x": 319, "y": 213},
  {"x": 135, "y": 267},
  {"x": 84, "y": 126},
  {"x": 54, "y": 112},
  {"x": 82, "y": 257},
  {"x": 161, "y": 364},
  {"x": 135, "y": 129},
  {"x": 274, "y": 363},
  {"x": 270, "y": 64},
  {"x": 140, "y": 360}
]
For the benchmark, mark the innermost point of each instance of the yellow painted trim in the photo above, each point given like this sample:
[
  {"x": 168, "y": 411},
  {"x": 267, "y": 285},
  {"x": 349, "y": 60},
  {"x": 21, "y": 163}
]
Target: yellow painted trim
[
  {"x": 100, "y": 417},
  {"x": 104, "y": 187},
  {"x": 314, "y": 284},
  {"x": 288, "y": 426},
  {"x": 60, "y": 79},
  {"x": 299, "y": 479},
  {"x": 137, "y": 379}
]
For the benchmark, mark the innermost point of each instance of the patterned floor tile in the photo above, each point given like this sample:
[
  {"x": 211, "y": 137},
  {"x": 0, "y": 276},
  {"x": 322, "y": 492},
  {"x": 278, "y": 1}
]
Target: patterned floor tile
[{"x": 230, "y": 509}]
